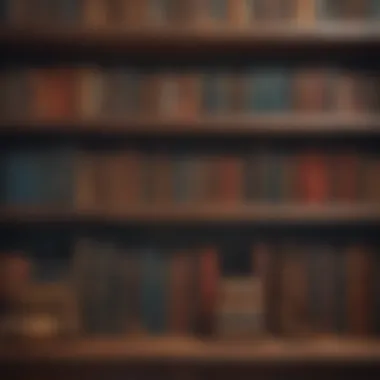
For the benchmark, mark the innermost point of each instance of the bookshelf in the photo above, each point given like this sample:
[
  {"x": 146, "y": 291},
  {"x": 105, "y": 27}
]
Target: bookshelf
[{"x": 343, "y": 43}]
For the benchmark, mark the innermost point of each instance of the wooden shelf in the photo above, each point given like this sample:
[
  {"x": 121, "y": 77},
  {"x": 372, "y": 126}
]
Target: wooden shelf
[
  {"x": 263, "y": 36},
  {"x": 213, "y": 213},
  {"x": 188, "y": 349},
  {"x": 283, "y": 125}
]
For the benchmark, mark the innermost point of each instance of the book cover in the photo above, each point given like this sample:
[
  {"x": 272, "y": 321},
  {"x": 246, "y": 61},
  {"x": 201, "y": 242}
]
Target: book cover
[
  {"x": 313, "y": 180},
  {"x": 154, "y": 291},
  {"x": 53, "y": 93},
  {"x": 270, "y": 91},
  {"x": 359, "y": 287}
]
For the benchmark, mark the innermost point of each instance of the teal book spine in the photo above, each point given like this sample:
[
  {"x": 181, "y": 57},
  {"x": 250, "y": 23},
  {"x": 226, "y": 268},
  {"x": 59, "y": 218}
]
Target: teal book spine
[
  {"x": 375, "y": 9},
  {"x": 215, "y": 96},
  {"x": 23, "y": 178},
  {"x": 154, "y": 291},
  {"x": 270, "y": 90}
]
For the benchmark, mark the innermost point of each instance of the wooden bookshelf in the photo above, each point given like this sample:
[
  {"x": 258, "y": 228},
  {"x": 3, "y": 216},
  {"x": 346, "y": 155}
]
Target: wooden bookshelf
[
  {"x": 193, "y": 350},
  {"x": 286, "y": 125},
  {"x": 326, "y": 35},
  {"x": 215, "y": 213}
]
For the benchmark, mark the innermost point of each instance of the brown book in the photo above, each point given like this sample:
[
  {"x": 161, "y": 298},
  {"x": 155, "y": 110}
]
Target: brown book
[
  {"x": 180, "y": 293},
  {"x": 241, "y": 12},
  {"x": 150, "y": 93},
  {"x": 295, "y": 313},
  {"x": 313, "y": 182},
  {"x": 310, "y": 90},
  {"x": 90, "y": 92},
  {"x": 53, "y": 93},
  {"x": 273, "y": 10},
  {"x": 306, "y": 12},
  {"x": 359, "y": 295},
  {"x": 354, "y": 9},
  {"x": 162, "y": 179},
  {"x": 85, "y": 179},
  {"x": 345, "y": 176},
  {"x": 189, "y": 96},
  {"x": 231, "y": 171},
  {"x": 350, "y": 93},
  {"x": 94, "y": 13},
  {"x": 208, "y": 284},
  {"x": 237, "y": 90},
  {"x": 370, "y": 183}
]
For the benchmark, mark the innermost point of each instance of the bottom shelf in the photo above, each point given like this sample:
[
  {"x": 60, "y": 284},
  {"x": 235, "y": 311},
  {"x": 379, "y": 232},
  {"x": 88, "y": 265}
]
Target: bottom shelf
[{"x": 188, "y": 349}]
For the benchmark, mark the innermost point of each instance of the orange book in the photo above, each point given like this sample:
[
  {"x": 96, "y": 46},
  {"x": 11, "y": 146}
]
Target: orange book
[
  {"x": 231, "y": 171},
  {"x": 53, "y": 93},
  {"x": 180, "y": 291},
  {"x": 313, "y": 177},
  {"x": 359, "y": 295},
  {"x": 208, "y": 282}
]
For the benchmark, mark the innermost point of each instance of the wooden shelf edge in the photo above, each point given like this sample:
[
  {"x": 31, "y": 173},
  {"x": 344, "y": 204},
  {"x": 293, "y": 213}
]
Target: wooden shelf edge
[
  {"x": 189, "y": 349},
  {"x": 239, "y": 125},
  {"x": 214, "y": 213}
]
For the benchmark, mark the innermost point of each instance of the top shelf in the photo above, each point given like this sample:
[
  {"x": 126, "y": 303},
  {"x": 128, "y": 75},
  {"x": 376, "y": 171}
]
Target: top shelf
[{"x": 326, "y": 35}]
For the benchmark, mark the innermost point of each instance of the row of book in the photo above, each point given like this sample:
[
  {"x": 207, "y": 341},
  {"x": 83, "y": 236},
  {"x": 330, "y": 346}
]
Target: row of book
[
  {"x": 117, "y": 180},
  {"x": 291, "y": 288},
  {"x": 59, "y": 93},
  {"x": 103, "y": 13}
]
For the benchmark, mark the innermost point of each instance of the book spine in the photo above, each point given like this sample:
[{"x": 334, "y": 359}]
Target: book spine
[
  {"x": 358, "y": 290},
  {"x": 159, "y": 12},
  {"x": 154, "y": 292},
  {"x": 217, "y": 11},
  {"x": 179, "y": 305},
  {"x": 370, "y": 187},
  {"x": 94, "y": 13},
  {"x": 189, "y": 99},
  {"x": 341, "y": 295},
  {"x": 376, "y": 291},
  {"x": 306, "y": 12},
  {"x": 215, "y": 93},
  {"x": 241, "y": 12},
  {"x": 209, "y": 279},
  {"x": 375, "y": 9},
  {"x": 231, "y": 172},
  {"x": 313, "y": 178},
  {"x": 18, "y": 95},
  {"x": 182, "y": 178}
]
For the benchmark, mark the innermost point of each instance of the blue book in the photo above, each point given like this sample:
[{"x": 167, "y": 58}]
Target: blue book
[
  {"x": 270, "y": 90},
  {"x": 154, "y": 291},
  {"x": 24, "y": 176}
]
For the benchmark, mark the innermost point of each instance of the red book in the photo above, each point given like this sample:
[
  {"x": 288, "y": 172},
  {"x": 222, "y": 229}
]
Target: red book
[
  {"x": 313, "y": 177},
  {"x": 208, "y": 281}
]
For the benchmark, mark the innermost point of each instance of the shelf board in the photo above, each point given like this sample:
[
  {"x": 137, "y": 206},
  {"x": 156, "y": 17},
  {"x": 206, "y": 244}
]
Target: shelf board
[
  {"x": 262, "y": 36},
  {"x": 196, "y": 212},
  {"x": 189, "y": 349},
  {"x": 282, "y": 125}
]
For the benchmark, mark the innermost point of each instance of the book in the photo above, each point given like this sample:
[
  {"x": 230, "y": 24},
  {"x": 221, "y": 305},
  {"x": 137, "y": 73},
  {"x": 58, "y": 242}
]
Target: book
[
  {"x": 354, "y": 10},
  {"x": 374, "y": 9},
  {"x": 116, "y": 12},
  {"x": 341, "y": 291},
  {"x": 359, "y": 277},
  {"x": 4, "y": 12},
  {"x": 241, "y": 13},
  {"x": 208, "y": 287},
  {"x": 91, "y": 91},
  {"x": 189, "y": 95},
  {"x": 306, "y": 12},
  {"x": 53, "y": 93},
  {"x": 162, "y": 176},
  {"x": 94, "y": 13},
  {"x": 313, "y": 180},
  {"x": 322, "y": 291},
  {"x": 180, "y": 303},
  {"x": 168, "y": 95},
  {"x": 272, "y": 10},
  {"x": 269, "y": 90},
  {"x": 182, "y": 178},
  {"x": 154, "y": 277},
  {"x": 231, "y": 183},
  {"x": 215, "y": 92},
  {"x": 311, "y": 90},
  {"x": 370, "y": 182},
  {"x": 345, "y": 177},
  {"x": 216, "y": 11},
  {"x": 159, "y": 12}
]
